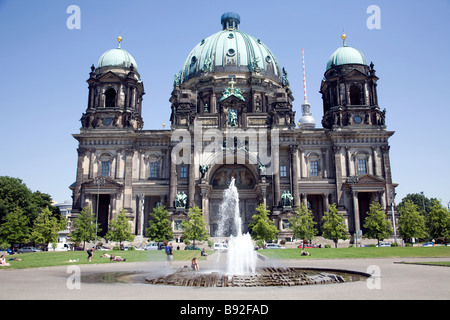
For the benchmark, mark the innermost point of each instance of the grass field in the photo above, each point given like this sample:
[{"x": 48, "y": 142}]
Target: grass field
[
  {"x": 46, "y": 259},
  {"x": 366, "y": 252}
]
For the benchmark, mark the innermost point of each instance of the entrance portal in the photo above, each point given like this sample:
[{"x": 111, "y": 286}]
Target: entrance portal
[{"x": 103, "y": 213}]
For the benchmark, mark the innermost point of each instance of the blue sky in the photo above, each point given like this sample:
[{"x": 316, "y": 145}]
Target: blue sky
[{"x": 45, "y": 66}]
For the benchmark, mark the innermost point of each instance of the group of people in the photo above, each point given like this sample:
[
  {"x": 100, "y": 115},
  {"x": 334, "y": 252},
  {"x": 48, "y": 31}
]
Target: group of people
[
  {"x": 194, "y": 261},
  {"x": 111, "y": 257}
]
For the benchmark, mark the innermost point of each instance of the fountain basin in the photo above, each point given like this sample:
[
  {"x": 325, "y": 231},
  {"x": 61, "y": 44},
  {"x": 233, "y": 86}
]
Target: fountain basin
[{"x": 265, "y": 277}]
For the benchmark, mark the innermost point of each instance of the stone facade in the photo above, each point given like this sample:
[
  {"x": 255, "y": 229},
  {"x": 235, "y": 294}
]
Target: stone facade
[{"x": 233, "y": 122}]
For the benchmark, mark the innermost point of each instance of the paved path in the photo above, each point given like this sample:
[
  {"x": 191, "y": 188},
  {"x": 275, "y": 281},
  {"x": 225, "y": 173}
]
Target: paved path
[{"x": 395, "y": 281}]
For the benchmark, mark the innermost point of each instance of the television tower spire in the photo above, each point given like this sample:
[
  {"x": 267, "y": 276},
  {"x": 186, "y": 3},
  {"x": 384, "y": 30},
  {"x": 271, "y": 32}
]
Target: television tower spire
[{"x": 306, "y": 121}]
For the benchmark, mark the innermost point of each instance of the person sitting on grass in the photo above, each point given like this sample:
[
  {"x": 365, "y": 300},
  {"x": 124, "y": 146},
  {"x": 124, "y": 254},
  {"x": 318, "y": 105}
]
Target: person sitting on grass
[
  {"x": 304, "y": 253},
  {"x": 3, "y": 262}
]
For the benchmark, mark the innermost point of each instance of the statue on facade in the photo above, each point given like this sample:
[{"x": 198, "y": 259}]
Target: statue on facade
[
  {"x": 181, "y": 200},
  {"x": 232, "y": 117},
  {"x": 286, "y": 199},
  {"x": 203, "y": 170}
]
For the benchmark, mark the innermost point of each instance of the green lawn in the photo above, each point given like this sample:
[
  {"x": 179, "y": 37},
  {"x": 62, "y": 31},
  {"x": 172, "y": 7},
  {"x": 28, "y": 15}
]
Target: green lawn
[
  {"x": 46, "y": 259},
  {"x": 366, "y": 252}
]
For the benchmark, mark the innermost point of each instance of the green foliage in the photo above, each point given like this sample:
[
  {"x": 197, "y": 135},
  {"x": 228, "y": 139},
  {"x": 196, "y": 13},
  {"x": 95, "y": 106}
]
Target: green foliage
[
  {"x": 84, "y": 227},
  {"x": 46, "y": 227},
  {"x": 14, "y": 193},
  {"x": 438, "y": 221},
  {"x": 333, "y": 225},
  {"x": 262, "y": 228},
  {"x": 303, "y": 224},
  {"x": 194, "y": 228},
  {"x": 376, "y": 223},
  {"x": 120, "y": 229},
  {"x": 15, "y": 227},
  {"x": 423, "y": 203},
  {"x": 411, "y": 224},
  {"x": 160, "y": 228}
]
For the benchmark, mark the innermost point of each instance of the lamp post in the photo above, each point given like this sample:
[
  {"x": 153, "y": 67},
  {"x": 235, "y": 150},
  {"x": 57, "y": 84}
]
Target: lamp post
[
  {"x": 391, "y": 193},
  {"x": 423, "y": 201},
  {"x": 142, "y": 218},
  {"x": 353, "y": 180},
  {"x": 98, "y": 181}
]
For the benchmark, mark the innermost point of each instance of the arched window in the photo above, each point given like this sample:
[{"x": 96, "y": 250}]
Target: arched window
[
  {"x": 355, "y": 95},
  {"x": 361, "y": 162},
  {"x": 313, "y": 161},
  {"x": 110, "y": 98}
]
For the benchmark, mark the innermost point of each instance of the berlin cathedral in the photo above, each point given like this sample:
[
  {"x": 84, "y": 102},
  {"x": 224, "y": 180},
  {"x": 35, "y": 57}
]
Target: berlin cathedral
[{"x": 232, "y": 118}]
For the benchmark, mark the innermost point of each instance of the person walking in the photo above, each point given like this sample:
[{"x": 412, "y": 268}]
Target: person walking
[
  {"x": 169, "y": 253},
  {"x": 90, "y": 252}
]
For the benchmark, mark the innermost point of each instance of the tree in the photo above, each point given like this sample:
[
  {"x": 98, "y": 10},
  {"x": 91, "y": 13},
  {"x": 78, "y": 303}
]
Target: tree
[
  {"x": 333, "y": 225},
  {"x": 160, "y": 228},
  {"x": 119, "y": 229},
  {"x": 84, "y": 227},
  {"x": 15, "y": 227},
  {"x": 411, "y": 224},
  {"x": 46, "y": 227},
  {"x": 423, "y": 203},
  {"x": 376, "y": 223},
  {"x": 14, "y": 193},
  {"x": 302, "y": 224},
  {"x": 438, "y": 221},
  {"x": 194, "y": 228},
  {"x": 262, "y": 228}
]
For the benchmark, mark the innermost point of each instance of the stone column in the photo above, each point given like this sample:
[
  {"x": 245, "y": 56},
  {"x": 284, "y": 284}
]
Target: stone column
[
  {"x": 305, "y": 199},
  {"x": 128, "y": 188},
  {"x": 276, "y": 177},
  {"x": 356, "y": 221},
  {"x": 338, "y": 174},
  {"x": 325, "y": 201},
  {"x": 142, "y": 165},
  {"x": 302, "y": 171},
  {"x": 295, "y": 176},
  {"x": 118, "y": 161},
  {"x": 91, "y": 163},
  {"x": 172, "y": 179},
  {"x": 191, "y": 192},
  {"x": 205, "y": 192},
  {"x": 77, "y": 191}
]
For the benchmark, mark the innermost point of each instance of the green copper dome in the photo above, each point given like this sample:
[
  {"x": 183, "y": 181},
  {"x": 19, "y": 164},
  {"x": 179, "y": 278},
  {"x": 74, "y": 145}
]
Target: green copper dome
[
  {"x": 346, "y": 55},
  {"x": 117, "y": 57},
  {"x": 230, "y": 50}
]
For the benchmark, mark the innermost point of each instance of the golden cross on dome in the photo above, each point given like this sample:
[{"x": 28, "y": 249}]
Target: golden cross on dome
[
  {"x": 119, "y": 39},
  {"x": 232, "y": 83},
  {"x": 343, "y": 37}
]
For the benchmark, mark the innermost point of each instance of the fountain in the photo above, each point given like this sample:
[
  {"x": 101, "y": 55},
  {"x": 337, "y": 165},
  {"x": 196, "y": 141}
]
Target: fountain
[
  {"x": 241, "y": 256},
  {"x": 241, "y": 260}
]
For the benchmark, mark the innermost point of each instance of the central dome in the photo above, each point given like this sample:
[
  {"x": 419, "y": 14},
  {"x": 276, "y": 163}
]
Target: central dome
[{"x": 230, "y": 50}]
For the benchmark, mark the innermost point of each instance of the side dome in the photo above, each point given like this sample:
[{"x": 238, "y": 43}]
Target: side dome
[
  {"x": 117, "y": 57},
  {"x": 346, "y": 55},
  {"x": 230, "y": 50}
]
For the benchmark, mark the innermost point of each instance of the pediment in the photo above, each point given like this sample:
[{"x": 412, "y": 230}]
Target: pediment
[
  {"x": 105, "y": 183},
  {"x": 356, "y": 73},
  {"x": 109, "y": 76},
  {"x": 370, "y": 179}
]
